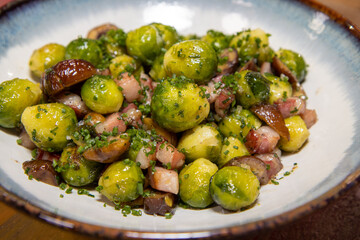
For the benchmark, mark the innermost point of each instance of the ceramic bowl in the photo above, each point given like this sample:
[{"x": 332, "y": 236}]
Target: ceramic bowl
[{"x": 328, "y": 163}]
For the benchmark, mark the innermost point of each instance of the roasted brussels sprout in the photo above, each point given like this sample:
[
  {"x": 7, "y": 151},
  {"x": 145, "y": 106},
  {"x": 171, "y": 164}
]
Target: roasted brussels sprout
[
  {"x": 280, "y": 88},
  {"x": 298, "y": 134},
  {"x": 46, "y": 57},
  {"x": 194, "y": 59},
  {"x": 253, "y": 88},
  {"x": 239, "y": 123},
  {"x": 102, "y": 95},
  {"x": 234, "y": 187},
  {"x": 194, "y": 183},
  {"x": 144, "y": 43},
  {"x": 179, "y": 104},
  {"x": 75, "y": 169},
  {"x": 203, "y": 141},
  {"x": 232, "y": 147},
  {"x": 113, "y": 43},
  {"x": 217, "y": 40},
  {"x": 49, "y": 124},
  {"x": 294, "y": 61},
  {"x": 157, "y": 71},
  {"x": 85, "y": 49},
  {"x": 15, "y": 96},
  {"x": 167, "y": 33},
  {"x": 122, "y": 181},
  {"x": 123, "y": 63},
  {"x": 252, "y": 44}
]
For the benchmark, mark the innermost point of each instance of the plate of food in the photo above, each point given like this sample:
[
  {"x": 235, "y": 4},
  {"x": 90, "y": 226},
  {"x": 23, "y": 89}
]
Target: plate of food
[{"x": 166, "y": 119}]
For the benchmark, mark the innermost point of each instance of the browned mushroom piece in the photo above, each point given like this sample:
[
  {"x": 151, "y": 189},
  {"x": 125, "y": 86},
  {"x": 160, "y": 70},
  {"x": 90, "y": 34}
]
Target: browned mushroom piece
[
  {"x": 265, "y": 68},
  {"x": 65, "y": 74},
  {"x": 42, "y": 170},
  {"x": 257, "y": 166},
  {"x": 25, "y": 140},
  {"x": 250, "y": 65},
  {"x": 109, "y": 153},
  {"x": 229, "y": 61},
  {"x": 281, "y": 68},
  {"x": 159, "y": 203},
  {"x": 272, "y": 117},
  {"x": 101, "y": 30},
  {"x": 74, "y": 101}
]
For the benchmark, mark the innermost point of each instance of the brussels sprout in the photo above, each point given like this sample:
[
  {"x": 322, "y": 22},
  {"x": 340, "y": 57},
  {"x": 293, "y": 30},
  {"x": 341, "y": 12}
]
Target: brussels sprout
[
  {"x": 298, "y": 134},
  {"x": 253, "y": 88},
  {"x": 252, "y": 44},
  {"x": 234, "y": 187},
  {"x": 102, "y": 95},
  {"x": 122, "y": 181},
  {"x": 15, "y": 96},
  {"x": 202, "y": 141},
  {"x": 49, "y": 124},
  {"x": 46, "y": 57},
  {"x": 232, "y": 147},
  {"x": 280, "y": 88},
  {"x": 189, "y": 37},
  {"x": 239, "y": 123},
  {"x": 294, "y": 61},
  {"x": 194, "y": 59},
  {"x": 76, "y": 170},
  {"x": 139, "y": 139},
  {"x": 144, "y": 43},
  {"x": 123, "y": 63},
  {"x": 113, "y": 43},
  {"x": 179, "y": 104},
  {"x": 195, "y": 181},
  {"x": 157, "y": 71},
  {"x": 85, "y": 49},
  {"x": 217, "y": 40},
  {"x": 167, "y": 33}
]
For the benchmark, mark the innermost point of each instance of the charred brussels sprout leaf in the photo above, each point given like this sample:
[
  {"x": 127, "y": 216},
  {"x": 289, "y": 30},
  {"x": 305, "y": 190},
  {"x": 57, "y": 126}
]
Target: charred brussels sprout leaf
[{"x": 15, "y": 96}]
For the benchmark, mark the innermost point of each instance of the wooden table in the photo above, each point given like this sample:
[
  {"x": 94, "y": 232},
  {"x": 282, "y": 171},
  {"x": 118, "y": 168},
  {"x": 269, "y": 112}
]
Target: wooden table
[{"x": 340, "y": 220}]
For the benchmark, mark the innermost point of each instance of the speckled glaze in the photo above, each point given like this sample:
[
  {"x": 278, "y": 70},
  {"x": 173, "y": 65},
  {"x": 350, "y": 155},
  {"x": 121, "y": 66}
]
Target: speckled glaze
[{"x": 328, "y": 164}]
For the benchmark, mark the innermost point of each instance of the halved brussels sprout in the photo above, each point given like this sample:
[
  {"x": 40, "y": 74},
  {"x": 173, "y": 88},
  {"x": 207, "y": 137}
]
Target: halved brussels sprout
[
  {"x": 217, "y": 40},
  {"x": 298, "y": 134},
  {"x": 167, "y": 33},
  {"x": 101, "y": 94},
  {"x": 294, "y": 61},
  {"x": 194, "y": 59},
  {"x": 232, "y": 147},
  {"x": 15, "y": 96},
  {"x": 234, "y": 187},
  {"x": 122, "y": 181},
  {"x": 144, "y": 43},
  {"x": 239, "y": 123},
  {"x": 203, "y": 141},
  {"x": 253, "y": 88},
  {"x": 75, "y": 169},
  {"x": 179, "y": 104},
  {"x": 252, "y": 44},
  {"x": 195, "y": 181},
  {"x": 123, "y": 63},
  {"x": 85, "y": 49},
  {"x": 49, "y": 125},
  {"x": 46, "y": 57},
  {"x": 280, "y": 88}
]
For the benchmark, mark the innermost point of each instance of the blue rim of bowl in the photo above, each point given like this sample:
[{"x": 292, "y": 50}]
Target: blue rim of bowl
[{"x": 234, "y": 231}]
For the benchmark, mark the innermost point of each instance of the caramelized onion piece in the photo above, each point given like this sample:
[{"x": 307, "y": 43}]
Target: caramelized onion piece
[
  {"x": 110, "y": 153},
  {"x": 98, "y": 31},
  {"x": 65, "y": 74},
  {"x": 159, "y": 203},
  {"x": 272, "y": 117},
  {"x": 232, "y": 61},
  {"x": 41, "y": 170},
  {"x": 257, "y": 166}
]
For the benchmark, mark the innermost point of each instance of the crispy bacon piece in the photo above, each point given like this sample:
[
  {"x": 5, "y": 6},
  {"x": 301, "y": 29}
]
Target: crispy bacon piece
[
  {"x": 167, "y": 154},
  {"x": 291, "y": 106},
  {"x": 164, "y": 179},
  {"x": 74, "y": 101},
  {"x": 131, "y": 88},
  {"x": 273, "y": 163},
  {"x": 111, "y": 121},
  {"x": 262, "y": 140},
  {"x": 144, "y": 157}
]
